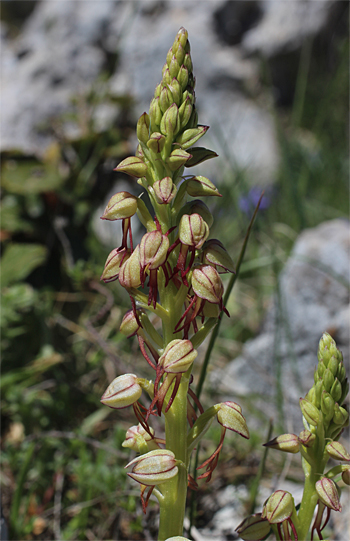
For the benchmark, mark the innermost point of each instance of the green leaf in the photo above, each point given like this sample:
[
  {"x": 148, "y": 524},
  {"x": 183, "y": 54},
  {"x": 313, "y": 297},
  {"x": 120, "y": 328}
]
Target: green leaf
[
  {"x": 94, "y": 419},
  {"x": 10, "y": 218},
  {"x": 29, "y": 177},
  {"x": 47, "y": 360},
  {"x": 19, "y": 260}
]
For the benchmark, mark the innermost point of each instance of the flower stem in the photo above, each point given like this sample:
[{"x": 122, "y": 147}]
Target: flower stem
[
  {"x": 172, "y": 508},
  {"x": 308, "y": 502}
]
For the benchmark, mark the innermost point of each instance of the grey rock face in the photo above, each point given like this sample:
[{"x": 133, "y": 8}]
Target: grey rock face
[
  {"x": 284, "y": 25},
  {"x": 64, "y": 46},
  {"x": 314, "y": 297},
  {"x": 54, "y": 58}
]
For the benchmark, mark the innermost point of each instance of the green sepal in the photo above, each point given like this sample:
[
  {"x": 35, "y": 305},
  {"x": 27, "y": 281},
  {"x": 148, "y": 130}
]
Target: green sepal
[
  {"x": 200, "y": 427},
  {"x": 199, "y": 155}
]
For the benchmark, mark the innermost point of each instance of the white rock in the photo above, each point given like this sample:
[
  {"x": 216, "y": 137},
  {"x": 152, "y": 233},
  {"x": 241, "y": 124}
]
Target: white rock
[
  {"x": 285, "y": 25},
  {"x": 315, "y": 298}
]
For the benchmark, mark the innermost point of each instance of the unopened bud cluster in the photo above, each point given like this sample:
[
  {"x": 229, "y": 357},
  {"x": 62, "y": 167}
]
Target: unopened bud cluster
[
  {"x": 330, "y": 389},
  {"x": 324, "y": 416}
]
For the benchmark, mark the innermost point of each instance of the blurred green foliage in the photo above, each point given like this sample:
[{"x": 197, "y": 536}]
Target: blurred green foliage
[{"x": 62, "y": 474}]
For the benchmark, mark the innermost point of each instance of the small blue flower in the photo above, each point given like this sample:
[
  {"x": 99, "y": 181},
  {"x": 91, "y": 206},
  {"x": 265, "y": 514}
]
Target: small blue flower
[{"x": 247, "y": 203}]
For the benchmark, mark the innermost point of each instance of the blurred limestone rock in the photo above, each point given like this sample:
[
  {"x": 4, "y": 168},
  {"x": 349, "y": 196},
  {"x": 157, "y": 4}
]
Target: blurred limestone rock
[
  {"x": 287, "y": 32},
  {"x": 314, "y": 298},
  {"x": 63, "y": 47},
  {"x": 283, "y": 26},
  {"x": 55, "y": 57},
  {"x": 223, "y": 76}
]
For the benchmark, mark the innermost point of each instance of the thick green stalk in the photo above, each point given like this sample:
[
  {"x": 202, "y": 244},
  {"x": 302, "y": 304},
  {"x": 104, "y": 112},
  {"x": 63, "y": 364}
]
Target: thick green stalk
[
  {"x": 308, "y": 502},
  {"x": 313, "y": 472},
  {"x": 172, "y": 507}
]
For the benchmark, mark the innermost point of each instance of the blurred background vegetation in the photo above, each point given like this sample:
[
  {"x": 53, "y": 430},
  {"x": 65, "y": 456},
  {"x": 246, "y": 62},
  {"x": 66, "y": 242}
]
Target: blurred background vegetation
[{"x": 62, "y": 463}]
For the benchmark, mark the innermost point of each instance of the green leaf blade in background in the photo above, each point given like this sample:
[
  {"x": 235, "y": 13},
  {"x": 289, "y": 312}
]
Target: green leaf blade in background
[
  {"x": 19, "y": 260},
  {"x": 30, "y": 177}
]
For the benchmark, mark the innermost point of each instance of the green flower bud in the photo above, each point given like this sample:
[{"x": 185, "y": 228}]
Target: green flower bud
[
  {"x": 169, "y": 56},
  {"x": 337, "y": 451},
  {"x": 129, "y": 275},
  {"x": 137, "y": 438},
  {"x": 156, "y": 142},
  {"x": 336, "y": 390},
  {"x": 177, "y": 159},
  {"x": 178, "y": 356},
  {"x": 139, "y": 152},
  {"x": 132, "y": 166},
  {"x": 176, "y": 91},
  {"x": 188, "y": 63},
  {"x": 253, "y": 528},
  {"x": 327, "y": 407},
  {"x": 167, "y": 78},
  {"x": 155, "y": 114},
  {"x": 153, "y": 250},
  {"x": 190, "y": 137},
  {"x": 153, "y": 468},
  {"x": 311, "y": 396},
  {"x": 165, "y": 190},
  {"x": 206, "y": 284},
  {"x": 158, "y": 90},
  {"x": 341, "y": 372},
  {"x": 321, "y": 369},
  {"x": 170, "y": 123},
  {"x": 185, "y": 112},
  {"x": 328, "y": 380},
  {"x": 318, "y": 393},
  {"x": 327, "y": 348},
  {"x": 279, "y": 507},
  {"x": 114, "y": 261},
  {"x": 189, "y": 95},
  {"x": 333, "y": 365},
  {"x": 180, "y": 54},
  {"x": 122, "y": 205},
  {"x": 215, "y": 254},
  {"x": 165, "y": 99},
  {"x": 199, "y": 155},
  {"x": 346, "y": 475},
  {"x": 201, "y": 187},
  {"x": 197, "y": 207},
  {"x": 122, "y": 392},
  {"x": 328, "y": 493},
  {"x": 193, "y": 230},
  {"x": 182, "y": 77},
  {"x": 288, "y": 443},
  {"x": 309, "y": 411},
  {"x": 181, "y": 39},
  {"x": 340, "y": 416},
  {"x": 142, "y": 128},
  {"x": 174, "y": 66},
  {"x": 129, "y": 324},
  {"x": 307, "y": 438},
  {"x": 230, "y": 417},
  {"x": 345, "y": 390}
]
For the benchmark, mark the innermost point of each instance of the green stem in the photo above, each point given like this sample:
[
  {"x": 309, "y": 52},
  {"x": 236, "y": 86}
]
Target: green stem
[
  {"x": 172, "y": 508},
  {"x": 173, "y": 504},
  {"x": 308, "y": 502},
  {"x": 313, "y": 471}
]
